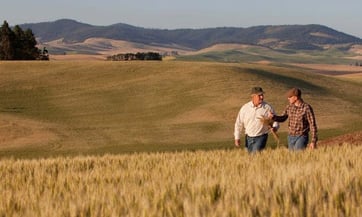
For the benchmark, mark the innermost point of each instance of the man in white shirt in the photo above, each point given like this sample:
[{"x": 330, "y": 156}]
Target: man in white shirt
[{"x": 253, "y": 118}]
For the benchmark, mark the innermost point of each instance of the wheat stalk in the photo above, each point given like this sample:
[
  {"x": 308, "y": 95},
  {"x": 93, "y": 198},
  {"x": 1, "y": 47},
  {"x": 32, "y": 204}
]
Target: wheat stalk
[{"x": 269, "y": 123}]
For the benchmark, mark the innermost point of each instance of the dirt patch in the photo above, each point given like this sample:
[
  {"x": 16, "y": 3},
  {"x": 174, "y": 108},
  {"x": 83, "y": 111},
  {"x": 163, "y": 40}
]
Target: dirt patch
[{"x": 354, "y": 138}]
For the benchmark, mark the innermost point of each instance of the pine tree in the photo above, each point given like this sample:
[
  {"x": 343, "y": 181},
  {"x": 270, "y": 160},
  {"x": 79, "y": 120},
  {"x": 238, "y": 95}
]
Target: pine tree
[
  {"x": 17, "y": 44},
  {"x": 7, "y": 39},
  {"x": 31, "y": 52}
]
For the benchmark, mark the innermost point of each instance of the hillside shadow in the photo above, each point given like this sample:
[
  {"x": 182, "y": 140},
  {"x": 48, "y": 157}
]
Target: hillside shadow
[{"x": 286, "y": 80}]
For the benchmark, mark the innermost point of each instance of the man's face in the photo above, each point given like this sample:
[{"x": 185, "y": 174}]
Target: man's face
[
  {"x": 292, "y": 99},
  {"x": 257, "y": 99}
]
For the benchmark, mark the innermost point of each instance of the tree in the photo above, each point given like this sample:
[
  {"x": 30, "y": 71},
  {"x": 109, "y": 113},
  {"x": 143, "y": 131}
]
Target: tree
[
  {"x": 7, "y": 40},
  {"x": 29, "y": 45},
  {"x": 17, "y": 44}
]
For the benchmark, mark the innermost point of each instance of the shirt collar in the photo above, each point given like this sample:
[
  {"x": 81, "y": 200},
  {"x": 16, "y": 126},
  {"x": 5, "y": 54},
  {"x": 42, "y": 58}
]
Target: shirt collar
[
  {"x": 259, "y": 106},
  {"x": 301, "y": 104}
]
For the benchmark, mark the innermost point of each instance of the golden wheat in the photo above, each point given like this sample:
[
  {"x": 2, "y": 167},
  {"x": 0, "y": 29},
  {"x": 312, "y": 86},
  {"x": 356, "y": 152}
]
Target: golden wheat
[{"x": 323, "y": 182}]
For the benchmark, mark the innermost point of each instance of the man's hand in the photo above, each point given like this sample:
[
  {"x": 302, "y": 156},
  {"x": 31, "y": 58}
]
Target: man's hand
[
  {"x": 274, "y": 129},
  {"x": 312, "y": 145},
  {"x": 237, "y": 143}
]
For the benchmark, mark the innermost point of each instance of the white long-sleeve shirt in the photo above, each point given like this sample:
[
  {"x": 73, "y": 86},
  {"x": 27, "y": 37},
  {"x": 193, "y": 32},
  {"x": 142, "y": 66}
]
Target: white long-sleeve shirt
[{"x": 251, "y": 118}]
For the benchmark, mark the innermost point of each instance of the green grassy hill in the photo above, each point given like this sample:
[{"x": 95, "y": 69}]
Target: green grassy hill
[
  {"x": 285, "y": 56},
  {"x": 95, "y": 107}
]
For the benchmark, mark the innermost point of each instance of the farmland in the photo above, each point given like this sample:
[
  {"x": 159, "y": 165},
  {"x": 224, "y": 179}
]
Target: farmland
[
  {"x": 71, "y": 108},
  {"x": 96, "y": 138},
  {"x": 324, "y": 182}
]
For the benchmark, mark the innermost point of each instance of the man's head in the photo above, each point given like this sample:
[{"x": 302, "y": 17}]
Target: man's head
[
  {"x": 294, "y": 94},
  {"x": 257, "y": 95}
]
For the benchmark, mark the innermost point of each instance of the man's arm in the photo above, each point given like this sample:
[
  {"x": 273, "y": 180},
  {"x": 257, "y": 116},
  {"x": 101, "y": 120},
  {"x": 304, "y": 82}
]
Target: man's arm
[
  {"x": 279, "y": 118},
  {"x": 239, "y": 125},
  {"x": 312, "y": 127}
]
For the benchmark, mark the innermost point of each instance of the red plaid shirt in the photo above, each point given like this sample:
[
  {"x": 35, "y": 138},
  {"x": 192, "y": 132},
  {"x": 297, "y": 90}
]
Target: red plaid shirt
[{"x": 301, "y": 120}]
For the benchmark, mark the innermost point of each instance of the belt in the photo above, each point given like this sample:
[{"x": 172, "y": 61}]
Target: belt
[{"x": 257, "y": 136}]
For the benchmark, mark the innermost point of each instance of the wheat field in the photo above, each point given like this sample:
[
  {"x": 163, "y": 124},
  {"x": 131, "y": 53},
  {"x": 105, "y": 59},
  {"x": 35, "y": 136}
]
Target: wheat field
[{"x": 323, "y": 182}]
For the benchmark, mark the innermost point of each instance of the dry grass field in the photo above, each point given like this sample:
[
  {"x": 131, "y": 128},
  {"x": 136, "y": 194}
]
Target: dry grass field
[
  {"x": 334, "y": 70},
  {"x": 97, "y": 107},
  {"x": 346, "y": 72}
]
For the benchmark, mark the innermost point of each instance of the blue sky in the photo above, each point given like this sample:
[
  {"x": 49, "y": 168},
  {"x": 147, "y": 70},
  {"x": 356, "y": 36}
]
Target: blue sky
[{"x": 344, "y": 16}]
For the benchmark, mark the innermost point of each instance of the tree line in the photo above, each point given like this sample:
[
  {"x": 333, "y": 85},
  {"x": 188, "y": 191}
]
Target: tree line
[
  {"x": 17, "y": 44},
  {"x": 136, "y": 56}
]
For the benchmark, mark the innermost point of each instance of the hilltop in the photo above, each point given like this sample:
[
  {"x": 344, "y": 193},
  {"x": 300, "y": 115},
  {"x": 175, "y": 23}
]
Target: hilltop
[{"x": 70, "y": 36}]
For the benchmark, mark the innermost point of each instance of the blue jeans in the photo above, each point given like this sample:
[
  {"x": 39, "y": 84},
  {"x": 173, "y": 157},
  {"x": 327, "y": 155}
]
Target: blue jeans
[
  {"x": 257, "y": 143},
  {"x": 297, "y": 142}
]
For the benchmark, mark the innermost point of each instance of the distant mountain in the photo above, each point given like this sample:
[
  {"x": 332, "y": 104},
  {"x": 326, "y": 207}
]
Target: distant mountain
[{"x": 297, "y": 37}]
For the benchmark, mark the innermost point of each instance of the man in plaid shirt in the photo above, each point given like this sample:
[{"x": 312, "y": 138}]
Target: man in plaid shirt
[{"x": 301, "y": 121}]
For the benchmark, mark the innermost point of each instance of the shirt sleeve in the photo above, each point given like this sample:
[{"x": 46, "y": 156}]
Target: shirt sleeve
[
  {"x": 283, "y": 117},
  {"x": 239, "y": 125},
  {"x": 312, "y": 124}
]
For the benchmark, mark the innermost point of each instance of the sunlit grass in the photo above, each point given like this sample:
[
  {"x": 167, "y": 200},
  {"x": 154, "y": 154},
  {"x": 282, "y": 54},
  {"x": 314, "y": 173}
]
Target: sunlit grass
[{"x": 323, "y": 182}]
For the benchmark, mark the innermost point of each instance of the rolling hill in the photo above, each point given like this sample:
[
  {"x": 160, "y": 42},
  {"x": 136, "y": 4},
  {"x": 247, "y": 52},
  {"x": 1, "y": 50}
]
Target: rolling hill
[
  {"x": 67, "y": 36},
  {"x": 95, "y": 107}
]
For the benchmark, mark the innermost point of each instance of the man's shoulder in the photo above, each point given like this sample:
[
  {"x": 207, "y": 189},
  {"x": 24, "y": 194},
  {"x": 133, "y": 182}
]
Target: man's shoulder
[
  {"x": 307, "y": 106},
  {"x": 304, "y": 104},
  {"x": 248, "y": 104}
]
